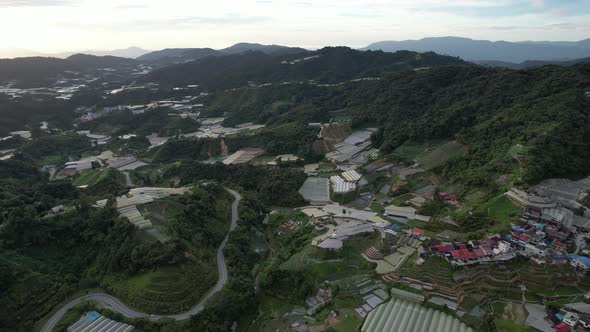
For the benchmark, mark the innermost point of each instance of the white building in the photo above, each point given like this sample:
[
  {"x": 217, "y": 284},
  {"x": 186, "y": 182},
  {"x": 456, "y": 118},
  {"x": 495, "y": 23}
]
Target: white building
[{"x": 407, "y": 212}]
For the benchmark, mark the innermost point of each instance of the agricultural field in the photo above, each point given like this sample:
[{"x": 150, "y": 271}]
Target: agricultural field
[
  {"x": 166, "y": 290},
  {"x": 437, "y": 156},
  {"x": 86, "y": 178},
  {"x": 502, "y": 210},
  {"x": 409, "y": 151}
]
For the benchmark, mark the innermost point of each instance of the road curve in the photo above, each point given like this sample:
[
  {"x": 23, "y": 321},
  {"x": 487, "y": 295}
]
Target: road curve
[{"x": 116, "y": 305}]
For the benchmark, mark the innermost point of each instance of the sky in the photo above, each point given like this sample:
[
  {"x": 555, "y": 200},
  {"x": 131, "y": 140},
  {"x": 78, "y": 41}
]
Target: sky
[{"x": 73, "y": 25}]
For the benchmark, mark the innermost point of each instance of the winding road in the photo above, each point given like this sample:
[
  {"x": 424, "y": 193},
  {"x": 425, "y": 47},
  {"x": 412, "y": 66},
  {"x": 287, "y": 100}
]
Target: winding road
[{"x": 116, "y": 305}]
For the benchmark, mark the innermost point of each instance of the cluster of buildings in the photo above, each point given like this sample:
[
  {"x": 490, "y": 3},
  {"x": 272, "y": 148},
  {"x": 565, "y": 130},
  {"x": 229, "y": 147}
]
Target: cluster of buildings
[
  {"x": 373, "y": 293},
  {"x": 548, "y": 227},
  {"x": 473, "y": 252},
  {"x": 346, "y": 182},
  {"x": 572, "y": 317},
  {"x": 127, "y": 204},
  {"x": 105, "y": 159},
  {"x": 320, "y": 300},
  {"x": 354, "y": 151}
]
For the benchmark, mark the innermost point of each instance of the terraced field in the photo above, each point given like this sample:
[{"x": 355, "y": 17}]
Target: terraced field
[
  {"x": 167, "y": 290},
  {"x": 439, "y": 155},
  {"x": 435, "y": 270}
]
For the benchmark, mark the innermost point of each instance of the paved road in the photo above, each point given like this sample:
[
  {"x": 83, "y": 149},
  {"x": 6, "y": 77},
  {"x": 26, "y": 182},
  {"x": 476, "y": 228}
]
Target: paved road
[{"x": 116, "y": 305}]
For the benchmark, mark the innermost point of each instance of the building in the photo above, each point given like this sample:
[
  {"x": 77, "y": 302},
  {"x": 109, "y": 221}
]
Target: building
[
  {"x": 95, "y": 322},
  {"x": 402, "y": 315},
  {"x": 316, "y": 191},
  {"x": 529, "y": 201},
  {"x": 580, "y": 262},
  {"x": 407, "y": 212},
  {"x": 571, "y": 319}
]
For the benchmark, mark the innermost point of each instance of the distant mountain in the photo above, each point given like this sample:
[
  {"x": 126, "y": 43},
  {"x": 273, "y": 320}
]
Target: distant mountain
[
  {"x": 485, "y": 50},
  {"x": 92, "y": 61},
  {"x": 180, "y": 55},
  {"x": 532, "y": 63},
  {"x": 37, "y": 71},
  {"x": 267, "y": 49},
  {"x": 130, "y": 52},
  {"x": 328, "y": 65}
]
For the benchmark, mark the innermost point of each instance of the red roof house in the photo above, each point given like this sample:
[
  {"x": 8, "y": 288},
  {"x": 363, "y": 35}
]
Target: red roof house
[
  {"x": 417, "y": 232},
  {"x": 562, "y": 327}
]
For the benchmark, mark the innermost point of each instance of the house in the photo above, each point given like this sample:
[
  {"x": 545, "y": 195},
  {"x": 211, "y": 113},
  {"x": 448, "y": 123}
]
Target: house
[
  {"x": 571, "y": 319},
  {"x": 417, "y": 201},
  {"x": 447, "y": 197},
  {"x": 561, "y": 327},
  {"x": 580, "y": 262},
  {"x": 503, "y": 246},
  {"x": 57, "y": 209},
  {"x": 417, "y": 232}
]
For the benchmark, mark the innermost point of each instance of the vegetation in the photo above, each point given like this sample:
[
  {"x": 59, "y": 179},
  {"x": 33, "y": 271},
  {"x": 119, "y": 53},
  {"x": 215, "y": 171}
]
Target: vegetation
[
  {"x": 334, "y": 65},
  {"x": 274, "y": 185},
  {"x": 45, "y": 257}
]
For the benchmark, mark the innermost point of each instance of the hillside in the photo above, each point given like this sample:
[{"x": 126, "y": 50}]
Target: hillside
[
  {"x": 328, "y": 65},
  {"x": 267, "y": 49},
  {"x": 531, "y": 124},
  {"x": 177, "y": 55},
  {"x": 532, "y": 63},
  {"x": 38, "y": 71},
  {"x": 33, "y": 69},
  {"x": 180, "y": 55},
  {"x": 92, "y": 61},
  {"x": 46, "y": 257},
  {"x": 485, "y": 50}
]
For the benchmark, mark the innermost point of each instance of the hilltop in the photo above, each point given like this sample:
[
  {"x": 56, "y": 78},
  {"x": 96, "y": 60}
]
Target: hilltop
[{"x": 328, "y": 65}]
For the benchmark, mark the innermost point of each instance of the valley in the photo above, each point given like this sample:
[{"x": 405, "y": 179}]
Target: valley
[{"x": 265, "y": 188}]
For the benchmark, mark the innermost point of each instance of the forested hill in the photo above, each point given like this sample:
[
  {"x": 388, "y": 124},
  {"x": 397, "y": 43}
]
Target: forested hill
[
  {"x": 35, "y": 71},
  {"x": 180, "y": 55},
  {"x": 328, "y": 65},
  {"x": 531, "y": 124},
  {"x": 534, "y": 122}
]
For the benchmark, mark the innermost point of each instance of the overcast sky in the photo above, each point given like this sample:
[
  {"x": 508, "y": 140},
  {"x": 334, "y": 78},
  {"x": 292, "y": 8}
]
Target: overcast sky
[{"x": 73, "y": 25}]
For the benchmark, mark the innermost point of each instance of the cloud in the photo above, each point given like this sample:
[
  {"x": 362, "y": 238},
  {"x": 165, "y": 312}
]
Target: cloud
[
  {"x": 538, "y": 3},
  {"x": 34, "y": 3}
]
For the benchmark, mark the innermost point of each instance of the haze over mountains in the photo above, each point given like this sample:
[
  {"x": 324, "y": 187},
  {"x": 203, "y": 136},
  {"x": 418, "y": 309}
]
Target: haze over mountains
[
  {"x": 485, "y": 50},
  {"x": 495, "y": 53}
]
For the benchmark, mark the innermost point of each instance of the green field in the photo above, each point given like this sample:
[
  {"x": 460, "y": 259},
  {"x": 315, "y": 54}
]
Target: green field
[
  {"x": 510, "y": 326},
  {"x": 166, "y": 290},
  {"x": 440, "y": 154},
  {"x": 409, "y": 151},
  {"x": 502, "y": 210},
  {"x": 87, "y": 178}
]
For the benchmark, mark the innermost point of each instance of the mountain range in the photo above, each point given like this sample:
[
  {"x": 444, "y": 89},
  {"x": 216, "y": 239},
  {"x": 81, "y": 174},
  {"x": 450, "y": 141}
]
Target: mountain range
[
  {"x": 506, "y": 54},
  {"x": 130, "y": 52},
  {"x": 179, "y": 55},
  {"x": 485, "y": 50}
]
